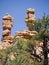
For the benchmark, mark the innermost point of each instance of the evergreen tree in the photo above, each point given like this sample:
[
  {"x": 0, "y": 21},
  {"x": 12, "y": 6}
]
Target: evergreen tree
[{"x": 42, "y": 27}]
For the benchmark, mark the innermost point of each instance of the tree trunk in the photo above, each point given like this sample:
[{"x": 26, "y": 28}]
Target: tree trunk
[{"x": 45, "y": 53}]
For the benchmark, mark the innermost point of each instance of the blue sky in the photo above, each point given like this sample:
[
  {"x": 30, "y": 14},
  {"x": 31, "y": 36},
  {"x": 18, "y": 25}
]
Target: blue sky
[{"x": 17, "y": 9}]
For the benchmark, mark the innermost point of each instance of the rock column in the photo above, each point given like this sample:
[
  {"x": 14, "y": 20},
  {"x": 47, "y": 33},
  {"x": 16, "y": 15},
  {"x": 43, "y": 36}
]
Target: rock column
[
  {"x": 30, "y": 18},
  {"x": 7, "y": 25}
]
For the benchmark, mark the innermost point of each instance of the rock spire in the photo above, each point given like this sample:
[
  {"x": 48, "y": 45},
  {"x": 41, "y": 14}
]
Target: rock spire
[
  {"x": 30, "y": 18},
  {"x": 7, "y": 25}
]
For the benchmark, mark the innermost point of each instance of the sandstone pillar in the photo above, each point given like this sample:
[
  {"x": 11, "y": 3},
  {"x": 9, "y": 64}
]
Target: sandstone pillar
[
  {"x": 30, "y": 18},
  {"x": 7, "y": 25}
]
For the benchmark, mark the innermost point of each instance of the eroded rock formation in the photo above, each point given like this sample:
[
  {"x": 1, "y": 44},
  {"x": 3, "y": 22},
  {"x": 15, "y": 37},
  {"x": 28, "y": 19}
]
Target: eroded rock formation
[
  {"x": 7, "y": 25},
  {"x": 30, "y": 18},
  {"x": 30, "y": 15},
  {"x": 26, "y": 34}
]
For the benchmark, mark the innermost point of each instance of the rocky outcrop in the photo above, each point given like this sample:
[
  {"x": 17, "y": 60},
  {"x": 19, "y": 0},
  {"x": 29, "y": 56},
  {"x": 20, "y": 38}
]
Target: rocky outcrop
[
  {"x": 30, "y": 15},
  {"x": 30, "y": 18},
  {"x": 7, "y": 25},
  {"x": 26, "y": 34}
]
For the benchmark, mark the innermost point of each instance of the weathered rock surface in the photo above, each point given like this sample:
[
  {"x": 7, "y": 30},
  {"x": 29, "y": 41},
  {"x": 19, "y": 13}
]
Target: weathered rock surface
[
  {"x": 30, "y": 15},
  {"x": 7, "y": 25},
  {"x": 25, "y": 34},
  {"x": 30, "y": 18},
  {"x": 6, "y": 32}
]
